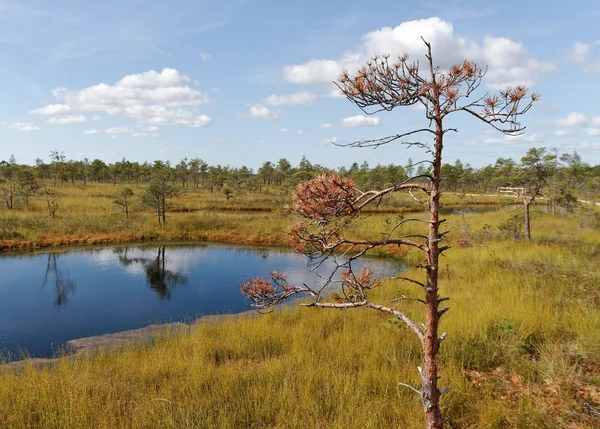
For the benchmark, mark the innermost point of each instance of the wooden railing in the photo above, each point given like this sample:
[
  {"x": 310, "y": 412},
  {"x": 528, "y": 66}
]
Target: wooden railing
[{"x": 509, "y": 191}]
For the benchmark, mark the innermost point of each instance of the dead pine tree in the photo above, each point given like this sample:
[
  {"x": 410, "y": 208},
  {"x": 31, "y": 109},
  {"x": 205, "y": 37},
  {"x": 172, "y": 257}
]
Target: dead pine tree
[{"x": 326, "y": 205}]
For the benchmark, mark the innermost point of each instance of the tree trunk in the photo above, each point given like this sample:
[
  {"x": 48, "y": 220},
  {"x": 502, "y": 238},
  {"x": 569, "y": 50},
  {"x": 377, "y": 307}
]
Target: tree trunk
[
  {"x": 527, "y": 203},
  {"x": 430, "y": 394}
]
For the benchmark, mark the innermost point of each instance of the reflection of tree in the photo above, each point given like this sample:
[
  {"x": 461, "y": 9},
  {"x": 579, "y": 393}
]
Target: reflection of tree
[
  {"x": 159, "y": 278},
  {"x": 263, "y": 253},
  {"x": 63, "y": 284}
]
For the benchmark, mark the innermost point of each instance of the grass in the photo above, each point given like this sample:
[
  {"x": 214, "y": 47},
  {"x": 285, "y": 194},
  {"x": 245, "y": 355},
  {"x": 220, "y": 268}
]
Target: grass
[
  {"x": 88, "y": 216},
  {"x": 523, "y": 347}
]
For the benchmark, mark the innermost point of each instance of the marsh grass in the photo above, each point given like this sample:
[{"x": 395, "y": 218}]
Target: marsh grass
[
  {"x": 523, "y": 347},
  {"x": 88, "y": 215}
]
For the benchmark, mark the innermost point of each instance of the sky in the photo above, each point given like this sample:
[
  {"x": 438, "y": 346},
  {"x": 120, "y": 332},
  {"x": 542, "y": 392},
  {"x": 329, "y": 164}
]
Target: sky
[{"x": 240, "y": 82}]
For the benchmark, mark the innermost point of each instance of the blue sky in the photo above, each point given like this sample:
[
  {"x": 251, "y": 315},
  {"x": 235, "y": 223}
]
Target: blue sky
[{"x": 239, "y": 82}]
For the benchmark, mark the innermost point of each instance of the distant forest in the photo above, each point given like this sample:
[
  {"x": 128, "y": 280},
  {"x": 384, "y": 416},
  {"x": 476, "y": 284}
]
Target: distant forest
[{"x": 566, "y": 175}]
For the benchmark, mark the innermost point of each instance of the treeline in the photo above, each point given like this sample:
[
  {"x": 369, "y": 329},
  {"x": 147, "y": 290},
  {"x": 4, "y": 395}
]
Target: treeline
[{"x": 565, "y": 176}]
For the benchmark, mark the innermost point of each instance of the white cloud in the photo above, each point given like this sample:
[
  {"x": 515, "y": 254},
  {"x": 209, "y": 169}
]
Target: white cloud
[
  {"x": 24, "y": 126},
  {"x": 506, "y": 139},
  {"x": 144, "y": 134},
  {"x": 300, "y": 131},
  {"x": 163, "y": 98},
  {"x": 561, "y": 133},
  {"x": 580, "y": 53},
  {"x": 140, "y": 132},
  {"x": 262, "y": 112},
  {"x": 320, "y": 71},
  {"x": 91, "y": 132},
  {"x": 52, "y": 109},
  {"x": 283, "y": 130},
  {"x": 509, "y": 64},
  {"x": 593, "y": 131},
  {"x": 360, "y": 121},
  {"x": 576, "y": 119},
  {"x": 118, "y": 130},
  {"x": 326, "y": 125},
  {"x": 205, "y": 56},
  {"x": 335, "y": 93},
  {"x": 585, "y": 147},
  {"x": 508, "y": 61},
  {"x": 297, "y": 98},
  {"x": 66, "y": 120}
]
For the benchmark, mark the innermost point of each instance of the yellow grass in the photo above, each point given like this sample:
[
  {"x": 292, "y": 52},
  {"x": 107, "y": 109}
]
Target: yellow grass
[{"x": 523, "y": 347}]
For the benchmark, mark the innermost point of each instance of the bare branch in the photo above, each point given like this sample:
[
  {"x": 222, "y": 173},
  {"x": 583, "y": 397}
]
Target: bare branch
[
  {"x": 407, "y": 320},
  {"x": 410, "y": 281},
  {"x": 408, "y": 298},
  {"x": 375, "y": 143},
  {"x": 418, "y": 392},
  {"x": 343, "y": 305},
  {"x": 443, "y": 310}
]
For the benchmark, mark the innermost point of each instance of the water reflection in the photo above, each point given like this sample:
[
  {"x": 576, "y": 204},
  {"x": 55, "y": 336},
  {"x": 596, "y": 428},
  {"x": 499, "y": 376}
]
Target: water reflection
[
  {"x": 104, "y": 290},
  {"x": 63, "y": 284},
  {"x": 159, "y": 278}
]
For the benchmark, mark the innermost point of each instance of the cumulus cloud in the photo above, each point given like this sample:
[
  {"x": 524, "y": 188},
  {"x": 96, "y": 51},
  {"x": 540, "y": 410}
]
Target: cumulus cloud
[
  {"x": 360, "y": 121},
  {"x": 326, "y": 125},
  {"x": 66, "y": 120},
  {"x": 262, "y": 112},
  {"x": 561, "y": 133},
  {"x": 297, "y": 98},
  {"x": 118, "y": 130},
  {"x": 24, "y": 126},
  {"x": 508, "y": 61},
  {"x": 582, "y": 54},
  {"x": 507, "y": 140},
  {"x": 593, "y": 131},
  {"x": 585, "y": 147},
  {"x": 114, "y": 132},
  {"x": 577, "y": 119},
  {"x": 162, "y": 98},
  {"x": 52, "y": 109},
  {"x": 320, "y": 71}
]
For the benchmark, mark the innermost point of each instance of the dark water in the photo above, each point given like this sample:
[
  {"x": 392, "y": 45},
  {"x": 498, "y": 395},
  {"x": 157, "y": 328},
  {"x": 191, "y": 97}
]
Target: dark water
[{"x": 47, "y": 299}]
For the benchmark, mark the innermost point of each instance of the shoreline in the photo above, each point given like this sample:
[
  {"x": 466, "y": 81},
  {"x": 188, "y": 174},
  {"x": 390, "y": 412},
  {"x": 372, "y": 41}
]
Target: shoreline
[
  {"x": 17, "y": 246},
  {"x": 87, "y": 346},
  {"x": 23, "y": 245}
]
